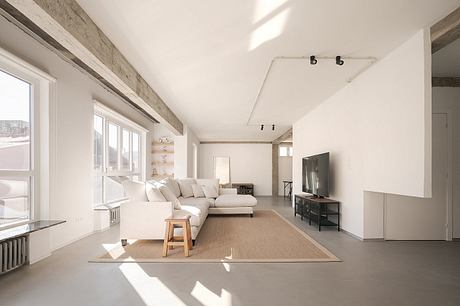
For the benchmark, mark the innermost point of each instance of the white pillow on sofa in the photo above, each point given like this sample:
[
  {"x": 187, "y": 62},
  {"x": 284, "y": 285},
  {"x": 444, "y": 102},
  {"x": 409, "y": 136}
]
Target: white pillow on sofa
[
  {"x": 135, "y": 191},
  {"x": 210, "y": 191},
  {"x": 185, "y": 186},
  {"x": 172, "y": 185},
  {"x": 197, "y": 191},
  {"x": 170, "y": 196},
  {"x": 154, "y": 194}
]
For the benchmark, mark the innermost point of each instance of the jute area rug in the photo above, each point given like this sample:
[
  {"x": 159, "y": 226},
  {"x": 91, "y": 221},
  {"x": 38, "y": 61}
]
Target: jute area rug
[{"x": 268, "y": 237}]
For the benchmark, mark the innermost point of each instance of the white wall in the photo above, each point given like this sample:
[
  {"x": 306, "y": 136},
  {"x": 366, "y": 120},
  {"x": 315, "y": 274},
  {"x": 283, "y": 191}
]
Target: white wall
[
  {"x": 448, "y": 100},
  {"x": 376, "y": 126},
  {"x": 183, "y": 153},
  {"x": 249, "y": 163},
  {"x": 71, "y": 194}
]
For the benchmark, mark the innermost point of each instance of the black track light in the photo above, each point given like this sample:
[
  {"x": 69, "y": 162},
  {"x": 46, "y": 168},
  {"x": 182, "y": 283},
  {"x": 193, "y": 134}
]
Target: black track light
[
  {"x": 273, "y": 127},
  {"x": 262, "y": 127},
  {"x": 313, "y": 60},
  {"x": 338, "y": 60}
]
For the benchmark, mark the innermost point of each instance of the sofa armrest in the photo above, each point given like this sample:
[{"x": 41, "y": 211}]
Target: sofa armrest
[
  {"x": 228, "y": 191},
  {"x": 144, "y": 220}
]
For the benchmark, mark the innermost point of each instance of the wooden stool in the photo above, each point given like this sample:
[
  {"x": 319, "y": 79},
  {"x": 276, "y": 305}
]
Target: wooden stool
[{"x": 170, "y": 240}]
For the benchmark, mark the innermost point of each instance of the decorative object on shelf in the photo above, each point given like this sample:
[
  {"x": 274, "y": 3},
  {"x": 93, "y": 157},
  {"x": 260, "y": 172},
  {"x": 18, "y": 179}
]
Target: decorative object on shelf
[{"x": 162, "y": 158}]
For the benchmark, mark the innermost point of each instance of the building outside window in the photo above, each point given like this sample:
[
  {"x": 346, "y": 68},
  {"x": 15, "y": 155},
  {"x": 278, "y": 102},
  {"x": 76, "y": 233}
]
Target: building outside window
[{"x": 16, "y": 171}]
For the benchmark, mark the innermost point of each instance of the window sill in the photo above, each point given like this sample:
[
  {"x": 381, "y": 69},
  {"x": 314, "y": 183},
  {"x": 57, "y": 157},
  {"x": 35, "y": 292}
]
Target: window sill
[{"x": 110, "y": 205}]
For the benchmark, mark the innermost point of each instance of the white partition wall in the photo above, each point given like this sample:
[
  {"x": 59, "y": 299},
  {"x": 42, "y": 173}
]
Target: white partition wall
[{"x": 378, "y": 131}]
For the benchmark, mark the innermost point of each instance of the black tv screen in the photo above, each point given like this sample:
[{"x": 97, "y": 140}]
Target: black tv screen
[{"x": 315, "y": 175}]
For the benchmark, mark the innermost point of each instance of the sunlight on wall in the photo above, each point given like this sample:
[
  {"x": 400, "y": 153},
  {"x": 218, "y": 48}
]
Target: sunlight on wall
[
  {"x": 209, "y": 298},
  {"x": 269, "y": 30},
  {"x": 265, "y": 7},
  {"x": 150, "y": 289}
]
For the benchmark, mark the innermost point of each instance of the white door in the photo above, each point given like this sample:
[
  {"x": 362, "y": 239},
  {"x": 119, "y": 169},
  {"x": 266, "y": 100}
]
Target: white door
[{"x": 411, "y": 218}]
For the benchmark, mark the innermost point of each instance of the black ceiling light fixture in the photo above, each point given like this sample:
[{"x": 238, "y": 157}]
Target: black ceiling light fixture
[
  {"x": 313, "y": 60},
  {"x": 273, "y": 127},
  {"x": 262, "y": 127},
  {"x": 338, "y": 60}
]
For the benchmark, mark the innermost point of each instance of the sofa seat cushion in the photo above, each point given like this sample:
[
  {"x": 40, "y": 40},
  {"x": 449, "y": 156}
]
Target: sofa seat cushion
[
  {"x": 198, "y": 213},
  {"x": 196, "y": 201},
  {"x": 235, "y": 200}
]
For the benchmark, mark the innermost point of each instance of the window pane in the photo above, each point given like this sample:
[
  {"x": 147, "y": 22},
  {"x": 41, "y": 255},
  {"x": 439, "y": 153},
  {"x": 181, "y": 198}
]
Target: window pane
[
  {"x": 98, "y": 142},
  {"x": 135, "y": 152},
  {"x": 14, "y": 123},
  {"x": 125, "y": 150},
  {"x": 283, "y": 151},
  {"x": 113, "y": 147},
  {"x": 14, "y": 200},
  {"x": 290, "y": 151},
  {"x": 98, "y": 189},
  {"x": 114, "y": 187}
]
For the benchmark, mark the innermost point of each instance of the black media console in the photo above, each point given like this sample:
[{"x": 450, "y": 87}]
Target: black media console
[{"x": 322, "y": 211}]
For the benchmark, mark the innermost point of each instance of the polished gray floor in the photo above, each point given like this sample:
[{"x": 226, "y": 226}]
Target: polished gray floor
[{"x": 371, "y": 273}]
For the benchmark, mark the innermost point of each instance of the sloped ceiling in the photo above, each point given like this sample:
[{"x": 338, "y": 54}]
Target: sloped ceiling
[{"x": 207, "y": 59}]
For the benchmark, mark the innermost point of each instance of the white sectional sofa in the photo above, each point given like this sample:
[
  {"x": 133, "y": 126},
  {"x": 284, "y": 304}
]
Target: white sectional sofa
[{"x": 150, "y": 203}]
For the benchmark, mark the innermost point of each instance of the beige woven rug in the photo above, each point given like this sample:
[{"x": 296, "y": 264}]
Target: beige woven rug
[{"x": 268, "y": 237}]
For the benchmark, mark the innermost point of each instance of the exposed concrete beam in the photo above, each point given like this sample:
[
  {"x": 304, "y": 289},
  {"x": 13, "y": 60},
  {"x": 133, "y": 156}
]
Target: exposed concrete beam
[
  {"x": 67, "y": 28},
  {"x": 446, "y": 81},
  {"x": 445, "y": 31},
  {"x": 286, "y": 135},
  {"x": 275, "y": 170}
]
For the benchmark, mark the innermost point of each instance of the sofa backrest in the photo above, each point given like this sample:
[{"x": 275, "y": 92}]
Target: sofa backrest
[{"x": 135, "y": 191}]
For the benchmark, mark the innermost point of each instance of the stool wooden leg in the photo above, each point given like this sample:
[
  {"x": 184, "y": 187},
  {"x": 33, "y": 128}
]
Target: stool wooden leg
[
  {"x": 186, "y": 239},
  {"x": 189, "y": 234},
  {"x": 166, "y": 240},
  {"x": 171, "y": 234}
]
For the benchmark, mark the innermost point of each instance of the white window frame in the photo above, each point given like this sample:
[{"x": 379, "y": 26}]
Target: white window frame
[
  {"x": 41, "y": 119},
  {"x": 110, "y": 116},
  {"x": 289, "y": 150}
]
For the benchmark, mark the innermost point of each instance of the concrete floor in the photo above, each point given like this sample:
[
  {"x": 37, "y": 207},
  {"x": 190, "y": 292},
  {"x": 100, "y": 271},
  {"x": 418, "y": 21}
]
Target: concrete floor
[{"x": 372, "y": 273}]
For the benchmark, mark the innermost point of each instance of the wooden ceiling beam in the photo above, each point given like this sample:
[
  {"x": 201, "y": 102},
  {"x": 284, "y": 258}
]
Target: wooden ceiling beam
[
  {"x": 285, "y": 136},
  {"x": 445, "y": 31},
  {"x": 446, "y": 81}
]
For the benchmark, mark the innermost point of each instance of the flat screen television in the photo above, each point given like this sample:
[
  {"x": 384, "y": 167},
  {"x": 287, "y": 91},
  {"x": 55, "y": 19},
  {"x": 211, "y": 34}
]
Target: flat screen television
[{"x": 315, "y": 175}]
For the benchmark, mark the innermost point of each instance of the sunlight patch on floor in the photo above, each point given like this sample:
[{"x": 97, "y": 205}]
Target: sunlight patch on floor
[
  {"x": 150, "y": 289},
  {"x": 209, "y": 298}
]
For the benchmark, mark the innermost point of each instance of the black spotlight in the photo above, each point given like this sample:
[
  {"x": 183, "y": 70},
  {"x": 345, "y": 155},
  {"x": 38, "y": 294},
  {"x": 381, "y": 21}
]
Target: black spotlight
[
  {"x": 262, "y": 127},
  {"x": 273, "y": 127},
  {"x": 313, "y": 60},
  {"x": 338, "y": 60}
]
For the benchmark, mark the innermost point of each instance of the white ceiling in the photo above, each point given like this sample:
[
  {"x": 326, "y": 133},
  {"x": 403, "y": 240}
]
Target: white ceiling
[
  {"x": 207, "y": 59},
  {"x": 446, "y": 62},
  {"x": 294, "y": 87}
]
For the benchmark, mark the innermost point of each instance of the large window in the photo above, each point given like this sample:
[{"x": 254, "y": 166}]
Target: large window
[
  {"x": 16, "y": 172},
  {"x": 117, "y": 154}
]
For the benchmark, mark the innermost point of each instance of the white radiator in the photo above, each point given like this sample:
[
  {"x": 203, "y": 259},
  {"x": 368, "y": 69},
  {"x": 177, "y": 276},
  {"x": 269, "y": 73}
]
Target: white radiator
[
  {"x": 114, "y": 215},
  {"x": 13, "y": 253}
]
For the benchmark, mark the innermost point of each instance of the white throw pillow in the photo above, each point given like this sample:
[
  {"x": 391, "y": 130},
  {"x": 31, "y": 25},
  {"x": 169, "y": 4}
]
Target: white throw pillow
[
  {"x": 172, "y": 185},
  {"x": 170, "y": 196},
  {"x": 197, "y": 191},
  {"x": 135, "y": 191},
  {"x": 208, "y": 182},
  {"x": 185, "y": 186},
  {"x": 154, "y": 194},
  {"x": 210, "y": 191}
]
